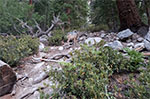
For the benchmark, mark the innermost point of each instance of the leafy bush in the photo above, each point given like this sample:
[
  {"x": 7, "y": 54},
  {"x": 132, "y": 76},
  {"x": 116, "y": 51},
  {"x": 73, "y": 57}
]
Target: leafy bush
[
  {"x": 13, "y": 49},
  {"x": 87, "y": 76},
  {"x": 136, "y": 59},
  {"x": 140, "y": 89},
  {"x": 57, "y": 37}
]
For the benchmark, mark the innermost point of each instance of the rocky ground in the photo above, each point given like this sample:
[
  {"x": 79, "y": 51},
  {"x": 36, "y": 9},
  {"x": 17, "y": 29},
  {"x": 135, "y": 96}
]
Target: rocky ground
[{"x": 31, "y": 73}]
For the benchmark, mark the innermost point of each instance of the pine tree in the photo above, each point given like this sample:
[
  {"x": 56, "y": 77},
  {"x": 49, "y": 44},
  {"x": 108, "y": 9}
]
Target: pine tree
[
  {"x": 104, "y": 12},
  {"x": 73, "y": 12}
]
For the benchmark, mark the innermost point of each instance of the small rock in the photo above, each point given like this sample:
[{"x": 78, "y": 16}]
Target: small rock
[
  {"x": 134, "y": 41},
  {"x": 147, "y": 45},
  {"x": 71, "y": 49},
  {"x": 103, "y": 35},
  {"x": 135, "y": 36},
  {"x": 44, "y": 39},
  {"x": 130, "y": 44},
  {"x": 61, "y": 48},
  {"x": 41, "y": 46},
  {"x": 125, "y": 34},
  {"x": 129, "y": 40},
  {"x": 92, "y": 40},
  {"x": 140, "y": 39},
  {"x": 37, "y": 94},
  {"x": 115, "y": 45},
  {"x": 52, "y": 48},
  {"x": 140, "y": 46},
  {"x": 82, "y": 38}
]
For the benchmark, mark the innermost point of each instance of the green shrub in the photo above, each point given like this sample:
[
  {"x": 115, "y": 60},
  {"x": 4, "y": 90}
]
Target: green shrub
[
  {"x": 13, "y": 49},
  {"x": 136, "y": 59},
  {"x": 57, "y": 37},
  {"x": 87, "y": 76},
  {"x": 140, "y": 89}
]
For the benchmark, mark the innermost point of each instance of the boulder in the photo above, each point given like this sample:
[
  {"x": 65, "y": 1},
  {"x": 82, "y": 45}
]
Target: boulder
[
  {"x": 115, "y": 45},
  {"x": 7, "y": 78},
  {"x": 147, "y": 45},
  {"x": 125, "y": 34},
  {"x": 147, "y": 36},
  {"x": 92, "y": 40}
]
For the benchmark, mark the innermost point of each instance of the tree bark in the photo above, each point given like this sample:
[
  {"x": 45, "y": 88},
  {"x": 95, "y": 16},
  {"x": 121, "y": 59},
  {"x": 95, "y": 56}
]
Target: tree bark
[
  {"x": 147, "y": 10},
  {"x": 128, "y": 15},
  {"x": 30, "y": 2}
]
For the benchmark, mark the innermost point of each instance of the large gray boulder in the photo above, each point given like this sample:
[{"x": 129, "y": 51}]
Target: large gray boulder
[
  {"x": 7, "y": 78},
  {"x": 117, "y": 45},
  {"x": 147, "y": 44},
  {"x": 147, "y": 36},
  {"x": 125, "y": 34}
]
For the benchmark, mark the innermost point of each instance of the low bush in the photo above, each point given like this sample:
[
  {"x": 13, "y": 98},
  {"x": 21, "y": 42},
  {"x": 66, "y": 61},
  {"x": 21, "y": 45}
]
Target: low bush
[
  {"x": 13, "y": 49},
  {"x": 57, "y": 37},
  {"x": 87, "y": 76},
  {"x": 140, "y": 88}
]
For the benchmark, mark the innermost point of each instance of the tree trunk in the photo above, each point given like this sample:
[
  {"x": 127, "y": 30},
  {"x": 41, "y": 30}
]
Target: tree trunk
[
  {"x": 128, "y": 15},
  {"x": 30, "y": 2},
  {"x": 147, "y": 11}
]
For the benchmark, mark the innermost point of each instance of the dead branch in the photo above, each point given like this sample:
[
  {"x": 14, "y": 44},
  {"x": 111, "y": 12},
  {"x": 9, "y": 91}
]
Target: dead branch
[
  {"x": 146, "y": 54},
  {"x": 56, "y": 21},
  {"x": 25, "y": 25}
]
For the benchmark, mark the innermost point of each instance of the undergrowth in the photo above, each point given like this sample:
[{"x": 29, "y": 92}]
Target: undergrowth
[
  {"x": 88, "y": 75},
  {"x": 13, "y": 49}
]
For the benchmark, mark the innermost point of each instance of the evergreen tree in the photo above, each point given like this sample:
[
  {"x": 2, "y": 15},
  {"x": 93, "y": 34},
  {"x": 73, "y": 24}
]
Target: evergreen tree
[
  {"x": 104, "y": 12},
  {"x": 72, "y": 12}
]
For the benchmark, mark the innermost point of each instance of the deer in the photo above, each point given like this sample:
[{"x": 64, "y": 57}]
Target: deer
[{"x": 72, "y": 36}]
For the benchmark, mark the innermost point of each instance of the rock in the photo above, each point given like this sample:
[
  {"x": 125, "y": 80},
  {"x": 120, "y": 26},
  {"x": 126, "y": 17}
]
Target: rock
[
  {"x": 103, "y": 35},
  {"x": 40, "y": 77},
  {"x": 139, "y": 46},
  {"x": 147, "y": 45},
  {"x": 82, "y": 38},
  {"x": 115, "y": 45},
  {"x": 147, "y": 36},
  {"x": 41, "y": 46},
  {"x": 7, "y": 78},
  {"x": 44, "y": 39},
  {"x": 135, "y": 36},
  {"x": 61, "y": 48},
  {"x": 92, "y": 40},
  {"x": 134, "y": 41},
  {"x": 129, "y": 40},
  {"x": 140, "y": 39},
  {"x": 130, "y": 44},
  {"x": 125, "y": 34},
  {"x": 143, "y": 31}
]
